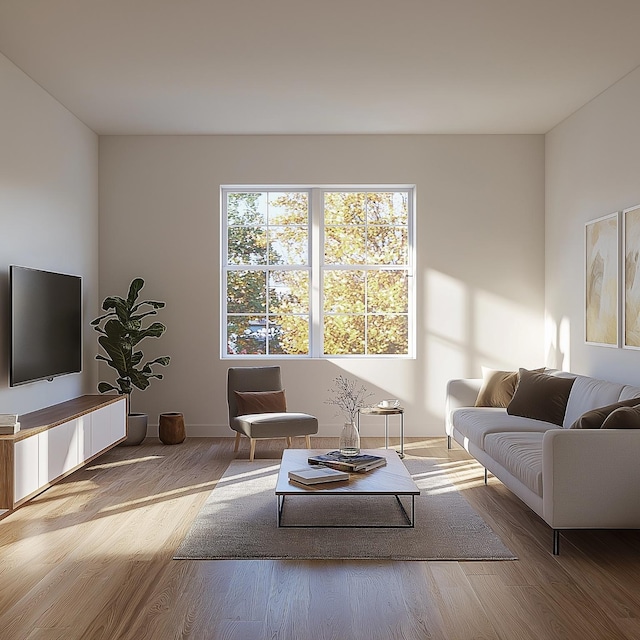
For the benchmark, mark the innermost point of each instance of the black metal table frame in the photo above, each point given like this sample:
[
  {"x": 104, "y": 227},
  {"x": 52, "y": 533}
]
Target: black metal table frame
[{"x": 410, "y": 519}]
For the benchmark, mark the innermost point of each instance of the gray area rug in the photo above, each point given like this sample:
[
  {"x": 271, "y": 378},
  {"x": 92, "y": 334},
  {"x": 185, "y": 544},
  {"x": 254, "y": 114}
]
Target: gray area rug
[{"x": 239, "y": 521}]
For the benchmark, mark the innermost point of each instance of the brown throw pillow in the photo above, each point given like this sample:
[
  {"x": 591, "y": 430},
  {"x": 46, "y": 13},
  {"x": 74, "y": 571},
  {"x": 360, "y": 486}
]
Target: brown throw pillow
[
  {"x": 260, "y": 402},
  {"x": 593, "y": 419},
  {"x": 498, "y": 387},
  {"x": 541, "y": 397},
  {"x": 623, "y": 418}
]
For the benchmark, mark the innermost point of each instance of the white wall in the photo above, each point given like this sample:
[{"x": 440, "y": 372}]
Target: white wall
[
  {"x": 592, "y": 169},
  {"x": 48, "y": 217},
  {"x": 480, "y": 264}
]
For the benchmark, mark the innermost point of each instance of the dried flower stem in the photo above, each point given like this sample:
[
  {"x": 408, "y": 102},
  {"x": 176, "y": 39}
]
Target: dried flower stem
[{"x": 348, "y": 396}]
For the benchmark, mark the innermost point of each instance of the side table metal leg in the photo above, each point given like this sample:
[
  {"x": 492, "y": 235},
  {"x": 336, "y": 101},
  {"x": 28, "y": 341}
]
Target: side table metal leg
[
  {"x": 386, "y": 432},
  {"x": 402, "y": 434}
]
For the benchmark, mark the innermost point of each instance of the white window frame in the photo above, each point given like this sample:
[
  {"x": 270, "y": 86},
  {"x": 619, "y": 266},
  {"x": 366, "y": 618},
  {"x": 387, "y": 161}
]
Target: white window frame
[{"x": 317, "y": 267}]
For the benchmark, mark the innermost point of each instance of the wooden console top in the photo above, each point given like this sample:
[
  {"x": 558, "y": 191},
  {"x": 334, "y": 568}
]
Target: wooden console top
[{"x": 49, "y": 417}]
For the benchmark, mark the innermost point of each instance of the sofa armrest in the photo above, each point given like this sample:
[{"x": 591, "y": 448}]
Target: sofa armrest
[
  {"x": 590, "y": 478},
  {"x": 460, "y": 393}
]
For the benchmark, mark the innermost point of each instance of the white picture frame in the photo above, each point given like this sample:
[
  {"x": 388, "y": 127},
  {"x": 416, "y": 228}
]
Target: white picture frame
[
  {"x": 601, "y": 282},
  {"x": 631, "y": 278}
]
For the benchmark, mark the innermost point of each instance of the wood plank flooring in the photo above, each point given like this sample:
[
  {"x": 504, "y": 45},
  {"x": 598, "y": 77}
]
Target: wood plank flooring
[{"x": 91, "y": 558}]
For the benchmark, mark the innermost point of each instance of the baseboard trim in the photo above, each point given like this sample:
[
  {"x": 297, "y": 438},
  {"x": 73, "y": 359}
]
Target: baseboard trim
[{"x": 325, "y": 430}]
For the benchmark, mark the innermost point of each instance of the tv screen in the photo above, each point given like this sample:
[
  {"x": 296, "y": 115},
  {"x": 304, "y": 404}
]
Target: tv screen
[{"x": 46, "y": 325}]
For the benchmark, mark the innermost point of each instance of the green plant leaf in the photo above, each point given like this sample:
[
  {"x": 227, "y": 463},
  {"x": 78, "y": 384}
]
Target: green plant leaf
[
  {"x": 104, "y": 387},
  {"x": 121, "y": 330},
  {"x": 153, "y": 331},
  {"x": 134, "y": 290}
]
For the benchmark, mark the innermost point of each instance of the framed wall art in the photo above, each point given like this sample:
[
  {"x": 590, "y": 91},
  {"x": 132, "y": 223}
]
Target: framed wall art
[
  {"x": 602, "y": 254},
  {"x": 631, "y": 278}
]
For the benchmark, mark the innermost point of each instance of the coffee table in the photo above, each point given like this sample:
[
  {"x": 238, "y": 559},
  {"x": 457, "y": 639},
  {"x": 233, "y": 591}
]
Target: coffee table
[{"x": 391, "y": 480}]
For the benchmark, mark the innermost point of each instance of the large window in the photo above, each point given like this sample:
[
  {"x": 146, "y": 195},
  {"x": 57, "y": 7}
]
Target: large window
[{"x": 313, "y": 272}]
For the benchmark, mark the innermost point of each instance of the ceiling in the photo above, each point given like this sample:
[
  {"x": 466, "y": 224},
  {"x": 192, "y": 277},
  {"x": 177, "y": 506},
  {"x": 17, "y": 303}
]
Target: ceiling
[{"x": 322, "y": 67}]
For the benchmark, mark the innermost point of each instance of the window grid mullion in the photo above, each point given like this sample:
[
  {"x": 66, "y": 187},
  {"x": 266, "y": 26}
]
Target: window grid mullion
[
  {"x": 316, "y": 266},
  {"x": 316, "y": 204}
]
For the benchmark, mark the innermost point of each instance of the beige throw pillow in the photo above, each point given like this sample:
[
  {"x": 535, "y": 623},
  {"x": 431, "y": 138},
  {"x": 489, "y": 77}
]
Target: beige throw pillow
[{"x": 498, "y": 387}]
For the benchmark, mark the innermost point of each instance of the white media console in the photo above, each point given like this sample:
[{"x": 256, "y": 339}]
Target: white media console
[{"x": 55, "y": 441}]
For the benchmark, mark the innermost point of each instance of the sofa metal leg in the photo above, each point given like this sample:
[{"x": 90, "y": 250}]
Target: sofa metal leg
[
  {"x": 486, "y": 475},
  {"x": 448, "y": 442},
  {"x": 556, "y": 542}
]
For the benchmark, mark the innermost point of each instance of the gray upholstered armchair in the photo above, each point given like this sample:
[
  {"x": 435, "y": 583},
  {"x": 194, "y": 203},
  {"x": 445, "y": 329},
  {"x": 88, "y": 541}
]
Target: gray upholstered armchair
[{"x": 257, "y": 408}]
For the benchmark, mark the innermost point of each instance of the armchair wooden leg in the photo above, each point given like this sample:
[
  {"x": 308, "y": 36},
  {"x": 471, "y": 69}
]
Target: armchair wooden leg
[
  {"x": 237, "y": 444},
  {"x": 308, "y": 441},
  {"x": 289, "y": 442},
  {"x": 252, "y": 451}
]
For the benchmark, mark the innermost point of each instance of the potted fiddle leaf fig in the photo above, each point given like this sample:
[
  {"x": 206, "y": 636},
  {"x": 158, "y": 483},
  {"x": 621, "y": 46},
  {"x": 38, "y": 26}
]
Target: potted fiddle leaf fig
[{"x": 121, "y": 329}]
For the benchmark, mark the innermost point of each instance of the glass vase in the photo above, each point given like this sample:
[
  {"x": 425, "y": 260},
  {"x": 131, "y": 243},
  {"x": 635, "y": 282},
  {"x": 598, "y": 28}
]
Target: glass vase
[{"x": 349, "y": 440}]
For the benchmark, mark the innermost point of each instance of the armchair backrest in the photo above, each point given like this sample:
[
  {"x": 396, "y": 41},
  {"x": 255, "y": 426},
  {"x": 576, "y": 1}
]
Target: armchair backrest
[{"x": 250, "y": 379}]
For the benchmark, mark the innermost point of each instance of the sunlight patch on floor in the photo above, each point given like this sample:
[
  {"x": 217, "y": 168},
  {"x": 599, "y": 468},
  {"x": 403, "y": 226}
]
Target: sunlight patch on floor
[
  {"x": 163, "y": 496},
  {"x": 250, "y": 474},
  {"x": 122, "y": 463}
]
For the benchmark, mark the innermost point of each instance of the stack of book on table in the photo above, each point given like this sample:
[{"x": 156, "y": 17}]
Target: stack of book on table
[
  {"x": 360, "y": 463},
  {"x": 317, "y": 475},
  {"x": 9, "y": 424}
]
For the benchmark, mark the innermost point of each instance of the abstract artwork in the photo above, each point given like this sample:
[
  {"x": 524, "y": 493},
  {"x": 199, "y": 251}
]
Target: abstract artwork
[
  {"x": 631, "y": 243},
  {"x": 601, "y": 281}
]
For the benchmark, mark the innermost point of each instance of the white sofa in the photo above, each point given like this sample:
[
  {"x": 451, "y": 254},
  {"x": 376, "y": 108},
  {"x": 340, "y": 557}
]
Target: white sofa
[{"x": 572, "y": 478}]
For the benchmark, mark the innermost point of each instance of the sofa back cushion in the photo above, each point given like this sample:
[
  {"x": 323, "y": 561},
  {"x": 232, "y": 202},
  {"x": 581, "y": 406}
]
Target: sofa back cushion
[
  {"x": 541, "y": 397},
  {"x": 587, "y": 394},
  {"x": 629, "y": 392}
]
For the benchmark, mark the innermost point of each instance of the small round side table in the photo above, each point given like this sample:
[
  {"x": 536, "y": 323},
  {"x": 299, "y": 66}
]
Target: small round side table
[
  {"x": 379, "y": 411},
  {"x": 171, "y": 428}
]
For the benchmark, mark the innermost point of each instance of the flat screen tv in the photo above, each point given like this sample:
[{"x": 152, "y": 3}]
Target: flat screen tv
[{"x": 46, "y": 325}]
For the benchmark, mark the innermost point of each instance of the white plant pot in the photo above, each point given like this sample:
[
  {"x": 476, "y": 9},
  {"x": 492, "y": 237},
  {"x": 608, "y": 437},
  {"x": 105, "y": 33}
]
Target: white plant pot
[{"x": 136, "y": 429}]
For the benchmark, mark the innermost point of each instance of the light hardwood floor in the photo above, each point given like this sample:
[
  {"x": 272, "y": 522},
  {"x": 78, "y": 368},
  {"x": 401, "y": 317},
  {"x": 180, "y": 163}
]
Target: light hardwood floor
[{"x": 91, "y": 558}]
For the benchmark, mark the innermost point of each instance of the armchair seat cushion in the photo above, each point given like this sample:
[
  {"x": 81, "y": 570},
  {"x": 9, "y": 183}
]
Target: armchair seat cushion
[{"x": 276, "y": 425}]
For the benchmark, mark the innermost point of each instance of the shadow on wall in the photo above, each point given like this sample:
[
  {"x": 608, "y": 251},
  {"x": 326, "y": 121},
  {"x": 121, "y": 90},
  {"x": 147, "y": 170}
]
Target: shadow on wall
[
  {"x": 461, "y": 327},
  {"x": 467, "y": 327}
]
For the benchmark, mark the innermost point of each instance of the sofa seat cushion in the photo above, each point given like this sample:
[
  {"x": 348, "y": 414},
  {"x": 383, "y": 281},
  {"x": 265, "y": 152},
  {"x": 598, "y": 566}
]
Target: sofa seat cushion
[
  {"x": 520, "y": 454},
  {"x": 475, "y": 423}
]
